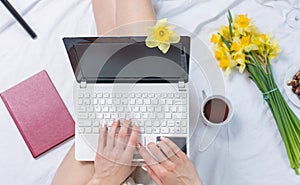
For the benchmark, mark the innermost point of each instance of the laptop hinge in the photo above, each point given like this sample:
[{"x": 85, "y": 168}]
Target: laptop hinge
[
  {"x": 83, "y": 83},
  {"x": 181, "y": 85}
]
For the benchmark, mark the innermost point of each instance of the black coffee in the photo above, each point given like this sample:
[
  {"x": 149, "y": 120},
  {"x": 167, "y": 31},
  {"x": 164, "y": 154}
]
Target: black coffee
[{"x": 216, "y": 110}]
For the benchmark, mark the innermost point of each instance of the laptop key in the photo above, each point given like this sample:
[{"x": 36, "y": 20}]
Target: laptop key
[
  {"x": 99, "y": 115},
  {"x": 164, "y": 130},
  {"x": 96, "y": 130},
  {"x": 143, "y": 109},
  {"x": 172, "y": 130},
  {"x": 87, "y": 101},
  {"x": 155, "y": 130},
  {"x": 142, "y": 130},
  {"x": 80, "y": 130},
  {"x": 95, "y": 101},
  {"x": 156, "y": 124},
  {"x": 160, "y": 115},
  {"x": 90, "y": 108},
  {"x": 83, "y": 115},
  {"x": 81, "y": 109},
  {"x": 168, "y": 115},
  {"x": 87, "y": 129},
  {"x": 92, "y": 115},
  {"x": 80, "y": 95},
  {"x": 85, "y": 123},
  {"x": 177, "y": 123},
  {"x": 105, "y": 109},
  {"x": 171, "y": 123},
  {"x": 148, "y": 123},
  {"x": 148, "y": 130},
  {"x": 97, "y": 108},
  {"x": 183, "y": 130},
  {"x": 96, "y": 123}
]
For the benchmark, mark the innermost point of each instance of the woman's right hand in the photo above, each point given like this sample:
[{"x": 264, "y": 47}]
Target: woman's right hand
[
  {"x": 113, "y": 163},
  {"x": 171, "y": 166}
]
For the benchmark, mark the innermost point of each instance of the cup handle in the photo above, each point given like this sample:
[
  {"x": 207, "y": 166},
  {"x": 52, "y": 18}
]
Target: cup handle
[
  {"x": 208, "y": 137},
  {"x": 204, "y": 95}
]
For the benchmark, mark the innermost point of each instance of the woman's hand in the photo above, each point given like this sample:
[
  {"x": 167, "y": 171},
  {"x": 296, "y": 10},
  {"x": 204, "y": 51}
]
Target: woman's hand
[
  {"x": 113, "y": 163},
  {"x": 171, "y": 166}
]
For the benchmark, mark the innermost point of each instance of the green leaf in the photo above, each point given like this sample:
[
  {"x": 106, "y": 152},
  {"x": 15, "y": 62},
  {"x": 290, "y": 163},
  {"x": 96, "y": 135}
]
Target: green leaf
[
  {"x": 226, "y": 42},
  {"x": 229, "y": 16},
  {"x": 230, "y": 21}
]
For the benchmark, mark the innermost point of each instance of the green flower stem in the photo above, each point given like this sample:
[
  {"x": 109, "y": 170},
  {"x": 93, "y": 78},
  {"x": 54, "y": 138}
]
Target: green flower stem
[{"x": 287, "y": 122}]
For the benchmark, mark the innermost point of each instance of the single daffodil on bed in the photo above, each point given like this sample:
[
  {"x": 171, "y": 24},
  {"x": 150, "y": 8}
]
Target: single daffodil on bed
[{"x": 162, "y": 35}]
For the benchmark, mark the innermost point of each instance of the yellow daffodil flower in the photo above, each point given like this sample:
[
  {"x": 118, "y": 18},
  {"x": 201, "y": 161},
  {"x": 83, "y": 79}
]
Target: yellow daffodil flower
[
  {"x": 162, "y": 35},
  {"x": 215, "y": 38},
  {"x": 224, "y": 31},
  {"x": 235, "y": 46},
  {"x": 224, "y": 63},
  {"x": 242, "y": 21},
  {"x": 274, "y": 49}
]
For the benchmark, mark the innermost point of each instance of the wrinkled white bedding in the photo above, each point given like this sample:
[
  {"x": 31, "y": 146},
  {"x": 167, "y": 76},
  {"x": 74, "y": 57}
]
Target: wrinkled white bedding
[{"x": 248, "y": 151}]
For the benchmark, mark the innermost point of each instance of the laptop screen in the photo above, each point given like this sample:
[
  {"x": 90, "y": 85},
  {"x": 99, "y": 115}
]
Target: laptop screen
[{"x": 126, "y": 59}]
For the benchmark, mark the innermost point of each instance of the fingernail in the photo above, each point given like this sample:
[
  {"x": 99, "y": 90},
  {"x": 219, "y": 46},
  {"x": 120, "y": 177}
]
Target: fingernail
[
  {"x": 144, "y": 167},
  {"x": 138, "y": 146},
  {"x": 162, "y": 137}
]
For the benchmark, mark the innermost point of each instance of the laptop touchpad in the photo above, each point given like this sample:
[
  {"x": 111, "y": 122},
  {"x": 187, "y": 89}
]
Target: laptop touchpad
[{"x": 179, "y": 141}]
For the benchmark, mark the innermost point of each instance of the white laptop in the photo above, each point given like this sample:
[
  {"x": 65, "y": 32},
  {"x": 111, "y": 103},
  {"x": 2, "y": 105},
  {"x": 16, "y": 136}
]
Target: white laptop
[{"x": 118, "y": 78}]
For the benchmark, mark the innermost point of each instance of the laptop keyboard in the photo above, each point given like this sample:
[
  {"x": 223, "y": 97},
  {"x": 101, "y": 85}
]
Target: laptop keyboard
[{"x": 154, "y": 113}]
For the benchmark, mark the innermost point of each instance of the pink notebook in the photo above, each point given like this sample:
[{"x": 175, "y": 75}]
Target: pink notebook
[{"x": 39, "y": 113}]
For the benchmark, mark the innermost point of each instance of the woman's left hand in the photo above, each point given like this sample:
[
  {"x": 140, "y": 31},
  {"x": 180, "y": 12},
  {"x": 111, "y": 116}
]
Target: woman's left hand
[
  {"x": 113, "y": 163},
  {"x": 170, "y": 166}
]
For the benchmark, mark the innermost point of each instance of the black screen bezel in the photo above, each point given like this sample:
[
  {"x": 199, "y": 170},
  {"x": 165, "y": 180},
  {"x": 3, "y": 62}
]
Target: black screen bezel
[{"x": 70, "y": 43}]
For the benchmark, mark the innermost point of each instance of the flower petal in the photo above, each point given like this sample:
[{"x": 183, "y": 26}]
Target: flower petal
[
  {"x": 161, "y": 22},
  {"x": 151, "y": 43},
  {"x": 174, "y": 37},
  {"x": 170, "y": 27},
  {"x": 164, "y": 47},
  {"x": 227, "y": 71},
  {"x": 242, "y": 68}
]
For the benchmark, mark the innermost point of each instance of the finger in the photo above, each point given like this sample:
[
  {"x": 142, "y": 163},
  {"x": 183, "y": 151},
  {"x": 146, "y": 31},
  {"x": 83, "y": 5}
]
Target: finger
[
  {"x": 102, "y": 139},
  {"x": 132, "y": 142},
  {"x": 123, "y": 132},
  {"x": 167, "y": 151},
  {"x": 157, "y": 153},
  {"x": 120, "y": 145},
  {"x": 174, "y": 147},
  {"x": 112, "y": 134},
  {"x": 152, "y": 174},
  {"x": 148, "y": 158}
]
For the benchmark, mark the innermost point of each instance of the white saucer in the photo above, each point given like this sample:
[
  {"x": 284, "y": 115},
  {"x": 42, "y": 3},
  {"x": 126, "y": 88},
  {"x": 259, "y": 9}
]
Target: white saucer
[{"x": 288, "y": 89}]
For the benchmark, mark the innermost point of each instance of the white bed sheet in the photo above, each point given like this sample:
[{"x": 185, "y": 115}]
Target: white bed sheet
[{"x": 248, "y": 151}]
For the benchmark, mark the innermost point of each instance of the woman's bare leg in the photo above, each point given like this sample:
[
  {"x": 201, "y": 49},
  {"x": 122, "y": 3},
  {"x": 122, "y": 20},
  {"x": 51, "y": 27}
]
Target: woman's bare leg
[
  {"x": 110, "y": 14},
  {"x": 72, "y": 172}
]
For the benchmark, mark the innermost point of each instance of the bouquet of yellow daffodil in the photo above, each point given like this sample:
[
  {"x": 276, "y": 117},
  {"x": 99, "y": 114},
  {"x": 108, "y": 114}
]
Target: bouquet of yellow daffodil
[{"x": 241, "y": 46}]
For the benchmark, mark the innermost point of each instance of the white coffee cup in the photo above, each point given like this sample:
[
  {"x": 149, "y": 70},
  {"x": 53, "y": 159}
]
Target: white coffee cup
[{"x": 206, "y": 99}]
